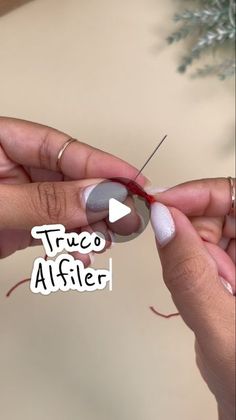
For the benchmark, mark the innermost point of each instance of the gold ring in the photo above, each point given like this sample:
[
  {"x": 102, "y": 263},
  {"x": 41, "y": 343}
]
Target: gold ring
[
  {"x": 232, "y": 193},
  {"x": 61, "y": 151}
]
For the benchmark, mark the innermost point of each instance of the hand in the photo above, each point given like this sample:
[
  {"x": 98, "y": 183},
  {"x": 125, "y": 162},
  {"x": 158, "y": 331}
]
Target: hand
[
  {"x": 196, "y": 244},
  {"x": 34, "y": 192}
]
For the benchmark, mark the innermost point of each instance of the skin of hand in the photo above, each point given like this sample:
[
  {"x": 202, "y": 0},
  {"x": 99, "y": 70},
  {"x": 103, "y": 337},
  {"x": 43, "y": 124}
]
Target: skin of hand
[
  {"x": 195, "y": 238},
  {"x": 33, "y": 191},
  {"x": 197, "y": 249}
]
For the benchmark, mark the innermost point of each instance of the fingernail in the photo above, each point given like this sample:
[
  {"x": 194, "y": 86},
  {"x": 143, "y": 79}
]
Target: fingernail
[
  {"x": 162, "y": 223},
  {"x": 227, "y": 286},
  {"x": 96, "y": 197},
  {"x": 155, "y": 190}
]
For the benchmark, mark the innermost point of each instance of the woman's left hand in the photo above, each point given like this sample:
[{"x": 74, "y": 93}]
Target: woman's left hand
[{"x": 28, "y": 160}]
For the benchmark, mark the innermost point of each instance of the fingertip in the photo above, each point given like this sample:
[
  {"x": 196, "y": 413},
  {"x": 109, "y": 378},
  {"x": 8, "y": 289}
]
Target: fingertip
[{"x": 162, "y": 223}]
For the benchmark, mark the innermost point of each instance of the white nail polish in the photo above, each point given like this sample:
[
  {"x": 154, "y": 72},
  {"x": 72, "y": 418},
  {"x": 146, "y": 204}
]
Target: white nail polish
[
  {"x": 227, "y": 285},
  {"x": 162, "y": 223},
  {"x": 155, "y": 190},
  {"x": 87, "y": 191}
]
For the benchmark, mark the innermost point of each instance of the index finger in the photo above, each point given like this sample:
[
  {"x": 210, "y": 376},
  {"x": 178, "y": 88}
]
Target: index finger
[
  {"x": 204, "y": 197},
  {"x": 38, "y": 146}
]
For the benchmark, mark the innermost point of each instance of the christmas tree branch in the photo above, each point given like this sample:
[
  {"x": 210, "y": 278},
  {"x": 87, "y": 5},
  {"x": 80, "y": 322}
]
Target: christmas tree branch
[{"x": 210, "y": 25}]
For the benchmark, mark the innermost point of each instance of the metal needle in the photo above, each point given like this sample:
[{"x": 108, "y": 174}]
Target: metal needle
[{"x": 150, "y": 157}]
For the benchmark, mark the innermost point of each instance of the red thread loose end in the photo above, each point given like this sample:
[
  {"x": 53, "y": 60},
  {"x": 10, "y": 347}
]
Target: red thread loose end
[
  {"x": 163, "y": 315},
  {"x": 16, "y": 285},
  {"x": 19, "y": 283},
  {"x": 136, "y": 189}
]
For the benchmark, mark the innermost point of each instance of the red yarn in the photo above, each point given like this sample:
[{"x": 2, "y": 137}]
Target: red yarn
[
  {"x": 163, "y": 315},
  {"x": 20, "y": 282},
  {"x": 136, "y": 189},
  {"x": 15, "y": 286}
]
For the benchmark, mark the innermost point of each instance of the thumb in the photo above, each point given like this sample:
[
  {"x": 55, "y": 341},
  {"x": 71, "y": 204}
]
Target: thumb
[
  {"x": 189, "y": 271},
  {"x": 27, "y": 205}
]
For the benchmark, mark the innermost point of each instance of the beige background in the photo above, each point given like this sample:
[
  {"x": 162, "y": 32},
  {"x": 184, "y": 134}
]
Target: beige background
[
  {"x": 8, "y": 5},
  {"x": 101, "y": 71}
]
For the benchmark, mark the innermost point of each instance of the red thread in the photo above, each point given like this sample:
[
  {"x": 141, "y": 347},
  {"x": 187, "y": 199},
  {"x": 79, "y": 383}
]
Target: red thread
[
  {"x": 163, "y": 315},
  {"x": 20, "y": 282},
  {"x": 136, "y": 189},
  {"x": 15, "y": 286}
]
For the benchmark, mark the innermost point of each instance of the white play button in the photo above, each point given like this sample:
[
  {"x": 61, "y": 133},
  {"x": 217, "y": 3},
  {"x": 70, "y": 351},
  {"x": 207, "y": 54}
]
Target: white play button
[
  {"x": 111, "y": 195},
  {"x": 117, "y": 210}
]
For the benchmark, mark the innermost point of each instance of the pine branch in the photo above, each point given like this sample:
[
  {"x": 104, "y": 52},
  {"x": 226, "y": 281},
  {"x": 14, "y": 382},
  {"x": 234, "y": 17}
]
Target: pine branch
[
  {"x": 187, "y": 61},
  {"x": 182, "y": 33},
  {"x": 223, "y": 70},
  {"x": 211, "y": 38},
  {"x": 211, "y": 25},
  {"x": 208, "y": 16}
]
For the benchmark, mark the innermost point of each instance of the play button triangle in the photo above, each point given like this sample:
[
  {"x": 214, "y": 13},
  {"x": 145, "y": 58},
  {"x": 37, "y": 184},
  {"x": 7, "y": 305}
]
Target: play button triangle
[{"x": 117, "y": 210}]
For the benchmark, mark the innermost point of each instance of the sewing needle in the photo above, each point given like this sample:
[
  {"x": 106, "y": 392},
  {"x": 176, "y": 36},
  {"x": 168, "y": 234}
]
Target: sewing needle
[{"x": 150, "y": 157}]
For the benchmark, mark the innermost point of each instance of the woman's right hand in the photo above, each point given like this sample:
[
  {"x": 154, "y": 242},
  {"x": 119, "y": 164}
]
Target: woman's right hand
[{"x": 196, "y": 243}]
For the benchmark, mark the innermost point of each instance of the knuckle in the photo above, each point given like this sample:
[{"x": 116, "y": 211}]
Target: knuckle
[
  {"x": 44, "y": 154},
  {"x": 187, "y": 274},
  {"x": 50, "y": 202},
  {"x": 88, "y": 162}
]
